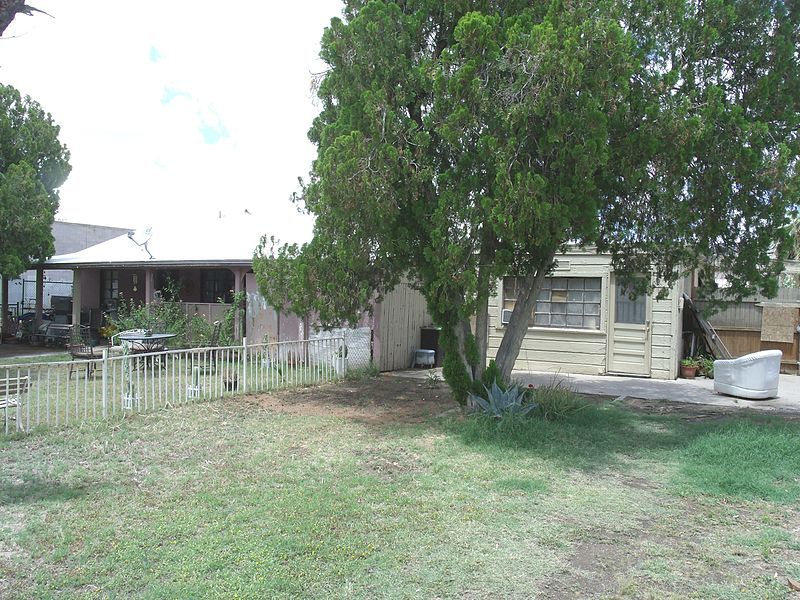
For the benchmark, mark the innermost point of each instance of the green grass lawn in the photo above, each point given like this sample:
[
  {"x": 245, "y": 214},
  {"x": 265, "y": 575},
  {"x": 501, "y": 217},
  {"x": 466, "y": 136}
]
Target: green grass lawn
[{"x": 239, "y": 498}]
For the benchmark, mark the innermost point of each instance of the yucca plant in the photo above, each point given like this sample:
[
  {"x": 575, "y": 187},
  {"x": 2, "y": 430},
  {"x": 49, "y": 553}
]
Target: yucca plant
[{"x": 499, "y": 403}]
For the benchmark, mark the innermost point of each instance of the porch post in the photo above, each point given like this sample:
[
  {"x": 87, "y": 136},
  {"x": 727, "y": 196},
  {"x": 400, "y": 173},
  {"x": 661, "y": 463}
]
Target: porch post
[
  {"x": 39, "y": 297},
  {"x": 76, "y": 299},
  {"x": 237, "y": 287},
  {"x": 4, "y": 316},
  {"x": 148, "y": 286}
]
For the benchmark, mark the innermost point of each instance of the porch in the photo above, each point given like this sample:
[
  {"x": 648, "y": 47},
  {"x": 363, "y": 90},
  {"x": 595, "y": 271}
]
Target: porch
[{"x": 98, "y": 293}]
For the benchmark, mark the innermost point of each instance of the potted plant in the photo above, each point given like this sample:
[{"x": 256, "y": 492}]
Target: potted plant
[
  {"x": 340, "y": 361},
  {"x": 705, "y": 367},
  {"x": 689, "y": 368}
]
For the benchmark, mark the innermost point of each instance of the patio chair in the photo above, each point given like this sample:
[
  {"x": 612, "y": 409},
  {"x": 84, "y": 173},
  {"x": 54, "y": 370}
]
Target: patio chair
[
  {"x": 117, "y": 348},
  {"x": 81, "y": 348},
  {"x": 209, "y": 357},
  {"x": 82, "y": 352},
  {"x": 753, "y": 376}
]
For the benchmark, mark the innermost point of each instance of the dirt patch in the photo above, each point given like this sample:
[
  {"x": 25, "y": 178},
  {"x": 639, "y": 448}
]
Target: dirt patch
[
  {"x": 688, "y": 410},
  {"x": 389, "y": 464},
  {"x": 379, "y": 400},
  {"x": 592, "y": 570}
]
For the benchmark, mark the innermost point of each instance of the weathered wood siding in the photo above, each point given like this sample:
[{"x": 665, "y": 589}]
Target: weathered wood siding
[
  {"x": 399, "y": 318},
  {"x": 585, "y": 351},
  {"x": 739, "y": 327}
]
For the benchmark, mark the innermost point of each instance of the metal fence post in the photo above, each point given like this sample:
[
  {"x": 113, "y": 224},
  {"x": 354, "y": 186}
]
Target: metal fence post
[
  {"x": 105, "y": 380},
  {"x": 244, "y": 364}
]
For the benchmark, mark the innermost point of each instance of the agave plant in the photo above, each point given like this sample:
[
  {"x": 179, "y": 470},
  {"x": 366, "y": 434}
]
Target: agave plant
[{"x": 500, "y": 403}]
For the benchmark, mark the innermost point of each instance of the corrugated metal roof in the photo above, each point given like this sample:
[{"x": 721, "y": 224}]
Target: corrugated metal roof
[{"x": 222, "y": 242}]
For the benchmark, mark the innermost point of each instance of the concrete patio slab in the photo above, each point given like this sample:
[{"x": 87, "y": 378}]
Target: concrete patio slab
[{"x": 693, "y": 391}]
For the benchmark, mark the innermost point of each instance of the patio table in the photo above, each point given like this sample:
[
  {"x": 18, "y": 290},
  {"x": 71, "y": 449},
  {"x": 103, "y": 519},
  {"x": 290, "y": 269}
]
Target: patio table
[
  {"x": 147, "y": 343},
  {"x": 142, "y": 343}
]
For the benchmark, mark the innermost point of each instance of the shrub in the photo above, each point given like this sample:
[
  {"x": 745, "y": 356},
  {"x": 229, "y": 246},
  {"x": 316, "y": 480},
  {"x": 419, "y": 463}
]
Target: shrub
[
  {"x": 706, "y": 366},
  {"x": 556, "y": 402},
  {"x": 500, "y": 403},
  {"x": 371, "y": 370}
]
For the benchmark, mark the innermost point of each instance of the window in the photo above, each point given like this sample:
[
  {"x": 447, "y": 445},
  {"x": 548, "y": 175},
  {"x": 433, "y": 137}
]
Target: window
[
  {"x": 572, "y": 302},
  {"x": 627, "y": 310},
  {"x": 216, "y": 284},
  {"x": 109, "y": 289}
]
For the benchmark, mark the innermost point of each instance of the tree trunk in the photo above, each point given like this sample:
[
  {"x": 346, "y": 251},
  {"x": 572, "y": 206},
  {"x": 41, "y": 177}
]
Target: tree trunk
[
  {"x": 482, "y": 306},
  {"x": 462, "y": 331},
  {"x": 482, "y": 331},
  {"x": 517, "y": 327}
]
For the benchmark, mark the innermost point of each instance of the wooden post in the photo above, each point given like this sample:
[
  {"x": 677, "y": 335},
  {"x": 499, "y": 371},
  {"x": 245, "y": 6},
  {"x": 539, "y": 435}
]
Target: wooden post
[
  {"x": 39, "y": 298},
  {"x": 237, "y": 287},
  {"x": 148, "y": 286},
  {"x": 76, "y": 300}
]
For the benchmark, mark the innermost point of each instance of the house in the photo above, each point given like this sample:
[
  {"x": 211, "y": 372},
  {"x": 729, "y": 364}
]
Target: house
[
  {"x": 208, "y": 263},
  {"x": 585, "y": 322},
  {"x": 68, "y": 237}
]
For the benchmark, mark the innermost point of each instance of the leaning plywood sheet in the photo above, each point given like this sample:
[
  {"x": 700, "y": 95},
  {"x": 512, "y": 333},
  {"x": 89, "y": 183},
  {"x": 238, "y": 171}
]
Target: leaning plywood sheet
[{"x": 778, "y": 323}]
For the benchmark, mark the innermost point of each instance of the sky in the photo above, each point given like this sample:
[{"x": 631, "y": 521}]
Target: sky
[{"x": 176, "y": 111}]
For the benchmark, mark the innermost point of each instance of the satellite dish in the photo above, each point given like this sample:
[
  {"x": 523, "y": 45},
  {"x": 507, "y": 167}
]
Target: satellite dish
[{"x": 140, "y": 237}]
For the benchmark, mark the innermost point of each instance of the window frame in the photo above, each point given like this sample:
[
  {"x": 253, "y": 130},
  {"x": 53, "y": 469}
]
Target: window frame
[{"x": 601, "y": 278}]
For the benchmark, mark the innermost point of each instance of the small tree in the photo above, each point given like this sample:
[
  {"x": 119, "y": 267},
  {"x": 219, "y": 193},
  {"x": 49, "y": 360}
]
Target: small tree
[{"x": 458, "y": 144}]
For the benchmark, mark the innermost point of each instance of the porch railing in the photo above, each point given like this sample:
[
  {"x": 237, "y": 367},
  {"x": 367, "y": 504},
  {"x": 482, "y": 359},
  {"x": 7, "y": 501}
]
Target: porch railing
[{"x": 73, "y": 392}]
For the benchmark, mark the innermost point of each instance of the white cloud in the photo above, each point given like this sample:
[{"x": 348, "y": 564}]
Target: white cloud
[{"x": 176, "y": 110}]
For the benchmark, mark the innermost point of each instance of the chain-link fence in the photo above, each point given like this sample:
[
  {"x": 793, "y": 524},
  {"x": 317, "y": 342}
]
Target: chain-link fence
[{"x": 357, "y": 346}]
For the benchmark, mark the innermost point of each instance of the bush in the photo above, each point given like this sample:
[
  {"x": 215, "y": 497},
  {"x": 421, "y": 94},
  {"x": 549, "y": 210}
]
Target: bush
[
  {"x": 167, "y": 315},
  {"x": 556, "y": 402},
  {"x": 359, "y": 373},
  {"x": 706, "y": 366}
]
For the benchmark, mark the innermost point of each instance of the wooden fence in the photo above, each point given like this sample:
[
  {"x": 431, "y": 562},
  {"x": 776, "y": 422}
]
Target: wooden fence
[{"x": 739, "y": 326}]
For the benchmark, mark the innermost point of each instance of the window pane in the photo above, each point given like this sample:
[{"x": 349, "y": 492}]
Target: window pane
[
  {"x": 573, "y": 296},
  {"x": 574, "y": 321},
  {"x": 559, "y": 308},
  {"x": 558, "y": 296},
  {"x": 575, "y": 308},
  {"x": 542, "y": 307},
  {"x": 591, "y": 296},
  {"x": 558, "y": 320},
  {"x": 575, "y": 283},
  {"x": 559, "y": 283},
  {"x": 593, "y": 283},
  {"x": 630, "y": 311},
  {"x": 591, "y": 322},
  {"x": 591, "y": 309},
  {"x": 509, "y": 289},
  {"x": 541, "y": 320},
  {"x": 546, "y": 284},
  {"x": 543, "y": 295}
]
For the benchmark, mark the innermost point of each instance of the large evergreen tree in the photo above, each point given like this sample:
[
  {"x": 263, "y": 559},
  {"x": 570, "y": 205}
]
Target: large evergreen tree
[
  {"x": 461, "y": 141},
  {"x": 33, "y": 164}
]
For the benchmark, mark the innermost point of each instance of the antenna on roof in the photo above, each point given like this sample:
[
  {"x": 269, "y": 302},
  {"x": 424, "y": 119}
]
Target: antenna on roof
[{"x": 145, "y": 236}]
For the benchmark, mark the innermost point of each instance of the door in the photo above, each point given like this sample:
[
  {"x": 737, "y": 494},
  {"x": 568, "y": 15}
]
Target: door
[{"x": 629, "y": 343}]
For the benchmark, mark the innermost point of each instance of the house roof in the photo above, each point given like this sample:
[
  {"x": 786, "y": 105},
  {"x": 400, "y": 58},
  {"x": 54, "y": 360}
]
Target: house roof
[{"x": 223, "y": 242}]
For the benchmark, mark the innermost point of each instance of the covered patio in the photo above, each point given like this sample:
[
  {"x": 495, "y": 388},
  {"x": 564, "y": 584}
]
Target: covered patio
[{"x": 207, "y": 270}]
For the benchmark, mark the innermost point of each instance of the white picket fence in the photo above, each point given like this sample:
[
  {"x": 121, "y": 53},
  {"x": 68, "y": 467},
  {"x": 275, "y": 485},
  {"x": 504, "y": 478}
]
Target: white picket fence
[{"x": 73, "y": 392}]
